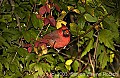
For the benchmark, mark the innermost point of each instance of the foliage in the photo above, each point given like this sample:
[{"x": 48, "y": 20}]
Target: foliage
[{"x": 92, "y": 52}]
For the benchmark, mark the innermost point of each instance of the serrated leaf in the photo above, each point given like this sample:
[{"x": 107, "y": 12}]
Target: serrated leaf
[
  {"x": 105, "y": 36},
  {"x": 88, "y": 48},
  {"x": 100, "y": 48},
  {"x": 37, "y": 23},
  {"x": 90, "y": 18},
  {"x": 75, "y": 65},
  {"x": 110, "y": 24},
  {"x": 103, "y": 59}
]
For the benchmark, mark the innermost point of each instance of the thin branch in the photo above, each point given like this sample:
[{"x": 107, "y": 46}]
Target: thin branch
[
  {"x": 1, "y": 1},
  {"x": 91, "y": 62},
  {"x": 14, "y": 57},
  {"x": 16, "y": 15},
  {"x": 40, "y": 31},
  {"x": 18, "y": 22},
  {"x": 95, "y": 52}
]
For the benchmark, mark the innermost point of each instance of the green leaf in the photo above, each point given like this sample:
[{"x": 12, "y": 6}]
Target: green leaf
[
  {"x": 83, "y": 76},
  {"x": 3, "y": 42},
  {"x": 90, "y": 34},
  {"x": 6, "y": 18},
  {"x": 75, "y": 65},
  {"x": 22, "y": 52},
  {"x": 13, "y": 68},
  {"x": 39, "y": 69},
  {"x": 100, "y": 48},
  {"x": 33, "y": 33},
  {"x": 46, "y": 67},
  {"x": 103, "y": 59},
  {"x": 37, "y": 23},
  {"x": 81, "y": 9},
  {"x": 61, "y": 58},
  {"x": 88, "y": 48},
  {"x": 90, "y": 18},
  {"x": 7, "y": 76},
  {"x": 1, "y": 67},
  {"x": 73, "y": 28},
  {"x": 61, "y": 66},
  {"x": 110, "y": 24},
  {"x": 31, "y": 66},
  {"x": 105, "y": 36},
  {"x": 28, "y": 76},
  {"x": 30, "y": 57},
  {"x": 81, "y": 22},
  {"x": 56, "y": 76},
  {"x": 50, "y": 59},
  {"x": 27, "y": 35}
]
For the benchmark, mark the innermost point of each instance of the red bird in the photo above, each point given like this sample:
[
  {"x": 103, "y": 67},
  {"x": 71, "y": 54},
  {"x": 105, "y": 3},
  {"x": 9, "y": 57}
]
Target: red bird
[{"x": 56, "y": 39}]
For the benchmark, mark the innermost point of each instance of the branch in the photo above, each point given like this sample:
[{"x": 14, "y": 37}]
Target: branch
[
  {"x": 95, "y": 52},
  {"x": 16, "y": 15},
  {"x": 91, "y": 62},
  {"x": 1, "y": 1}
]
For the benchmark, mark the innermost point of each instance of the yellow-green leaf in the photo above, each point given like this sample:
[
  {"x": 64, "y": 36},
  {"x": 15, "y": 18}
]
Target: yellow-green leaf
[{"x": 69, "y": 62}]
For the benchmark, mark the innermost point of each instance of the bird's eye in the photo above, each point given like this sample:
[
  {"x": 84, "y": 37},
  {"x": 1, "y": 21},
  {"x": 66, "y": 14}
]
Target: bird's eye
[{"x": 66, "y": 33}]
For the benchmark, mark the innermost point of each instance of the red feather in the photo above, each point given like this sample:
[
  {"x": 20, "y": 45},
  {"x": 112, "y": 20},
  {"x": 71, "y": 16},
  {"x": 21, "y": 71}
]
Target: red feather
[{"x": 56, "y": 39}]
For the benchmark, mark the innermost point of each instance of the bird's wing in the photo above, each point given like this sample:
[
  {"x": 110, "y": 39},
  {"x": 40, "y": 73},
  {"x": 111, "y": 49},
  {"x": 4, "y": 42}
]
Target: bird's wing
[{"x": 50, "y": 37}]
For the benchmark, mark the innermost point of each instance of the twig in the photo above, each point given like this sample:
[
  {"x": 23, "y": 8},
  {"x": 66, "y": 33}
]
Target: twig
[
  {"x": 17, "y": 17},
  {"x": 18, "y": 22},
  {"x": 14, "y": 57},
  {"x": 93, "y": 69},
  {"x": 1, "y": 3},
  {"x": 40, "y": 31},
  {"x": 96, "y": 46},
  {"x": 117, "y": 45}
]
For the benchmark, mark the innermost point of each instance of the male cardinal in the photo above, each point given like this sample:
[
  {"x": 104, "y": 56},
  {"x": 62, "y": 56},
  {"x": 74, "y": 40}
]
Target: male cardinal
[{"x": 56, "y": 39}]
